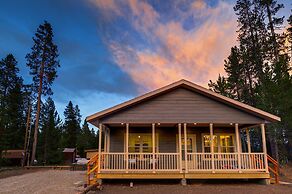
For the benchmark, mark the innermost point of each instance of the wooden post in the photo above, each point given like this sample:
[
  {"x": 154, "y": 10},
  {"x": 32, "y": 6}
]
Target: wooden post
[
  {"x": 212, "y": 148},
  {"x": 264, "y": 146},
  {"x": 153, "y": 147},
  {"x": 99, "y": 146},
  {"x": 108, "y": 140},
  {"x": 179, "y": 148},
  {"x": 127, "y": 147},
  {"x": 238, "y": 146},
  {"x": 185, "y": 146},
  {"x": 248, "y": 140},
  {"x": 105, "y": 140}
]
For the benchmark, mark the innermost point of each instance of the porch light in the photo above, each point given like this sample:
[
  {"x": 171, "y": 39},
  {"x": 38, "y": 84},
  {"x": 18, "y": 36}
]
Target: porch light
[
  {"x": 139, "y": 136},
  {"x": 195, "y": 123},
  {"x": 122, "y": 123},
  {"x": 158, "y": 123},
  {"x": 231, "y": 123}
]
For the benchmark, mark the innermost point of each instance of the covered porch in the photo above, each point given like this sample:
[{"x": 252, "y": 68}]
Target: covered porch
[{"x": 179, "y": 150}]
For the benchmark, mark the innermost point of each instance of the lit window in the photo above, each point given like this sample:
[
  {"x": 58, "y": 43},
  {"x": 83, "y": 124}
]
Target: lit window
[{"x": 224, "y": 145}]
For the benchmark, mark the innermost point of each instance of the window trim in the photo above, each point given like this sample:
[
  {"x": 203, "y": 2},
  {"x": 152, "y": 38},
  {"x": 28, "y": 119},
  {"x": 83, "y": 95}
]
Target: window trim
[
  {"x": 156, "y": 141},
  {"x": 194, "y": 142},
  {"x": 218, "y": 141}
]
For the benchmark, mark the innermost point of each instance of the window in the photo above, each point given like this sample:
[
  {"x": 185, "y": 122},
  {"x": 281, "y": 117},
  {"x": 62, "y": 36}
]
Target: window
[
  {"x": 207, "y": 143},
  {"x": 223, "y": 143},
  {"x": 141, "y": 143},
  {"x": 226, "y": 144}
]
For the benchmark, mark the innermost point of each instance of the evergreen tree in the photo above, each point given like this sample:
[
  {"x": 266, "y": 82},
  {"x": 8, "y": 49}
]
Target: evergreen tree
[
  {"x": 72, "y": 125},
  {"x": 258, "y": 73},
  {"x": 220, "y": 86},
  {"x": 43, "y": 64},
  {"x": 86, "y": 140},
  {"x": 11, "y": 105},
  {"x": 50, "y": 135}
]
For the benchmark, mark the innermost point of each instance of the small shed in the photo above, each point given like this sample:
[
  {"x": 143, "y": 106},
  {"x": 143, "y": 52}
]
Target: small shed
[
  {"x": 69, "y": 155},
  {"x": 90, "y": 153},
  {"x": 14, "y": 156}
]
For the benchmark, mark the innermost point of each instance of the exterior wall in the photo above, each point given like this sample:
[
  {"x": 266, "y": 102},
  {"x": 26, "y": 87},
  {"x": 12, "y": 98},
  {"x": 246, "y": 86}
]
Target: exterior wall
[
  {"x": 167, "y": 136},
  {"x": 181, "y": 106}
]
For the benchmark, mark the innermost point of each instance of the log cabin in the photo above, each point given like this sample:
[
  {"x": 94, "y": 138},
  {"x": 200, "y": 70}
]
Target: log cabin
[{"x": 180, "y": 131}]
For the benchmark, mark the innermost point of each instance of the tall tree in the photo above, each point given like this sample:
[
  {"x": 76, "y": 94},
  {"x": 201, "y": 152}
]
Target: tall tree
[
  {"x": 258, "y": 69},
  {"x": 71, "y": 125},
  {"x": 86, "y": 139},
  {"x": 43, "y": 64},
  {"x": 272, "y": 8},
  {"x": 50, "y": 133},
  {"x": 11, "y": 105}
]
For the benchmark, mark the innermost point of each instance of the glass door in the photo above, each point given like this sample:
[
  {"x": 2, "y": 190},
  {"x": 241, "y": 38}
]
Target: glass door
[{"x": 191, "y": 144}]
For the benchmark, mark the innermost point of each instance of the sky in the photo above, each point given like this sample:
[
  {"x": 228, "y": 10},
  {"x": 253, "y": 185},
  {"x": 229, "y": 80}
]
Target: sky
[{"x": 113, "y": 50}]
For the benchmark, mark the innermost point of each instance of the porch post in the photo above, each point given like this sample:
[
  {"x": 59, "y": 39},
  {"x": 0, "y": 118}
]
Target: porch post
[
  {"x": 238, "y": 147},
  {"x": 105, "y": 140},
  {"x": 127, "y": 147},
  {"x": 153, "y": 147},
  {"x": 212, "y": 148},
  {"x": 108, "y": 140},
  {"x": 185, "y": 146},
  {"x": 248, "y": 140},
  {"x": 99, "y": 147},
  {"x": 264, "y": 146},
  {"x": 179, "y": 148}
]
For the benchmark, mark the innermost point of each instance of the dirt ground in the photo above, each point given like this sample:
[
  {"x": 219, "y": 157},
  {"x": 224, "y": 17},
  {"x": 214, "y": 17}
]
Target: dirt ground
[
  {"x": 44, "y": 181},
  {"x": 64, "y": 181}
]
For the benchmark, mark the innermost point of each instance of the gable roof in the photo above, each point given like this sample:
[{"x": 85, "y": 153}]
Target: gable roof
[{"x": 194, "y": 87}]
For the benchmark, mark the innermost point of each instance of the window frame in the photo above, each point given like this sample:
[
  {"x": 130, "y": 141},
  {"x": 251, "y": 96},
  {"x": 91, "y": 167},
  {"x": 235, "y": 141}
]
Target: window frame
[
  {"x": 141, "y": 148},
  {"x": 219, "y": 142}
]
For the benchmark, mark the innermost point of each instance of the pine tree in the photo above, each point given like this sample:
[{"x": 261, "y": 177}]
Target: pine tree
[
  {"x": 258, "y": 70},
  {"x": 43, "y": 65},
  {"x": 50, "y": 134},
  {"x": 11, "y": 105},
  {"x": 220, "y": 86},
  {"x": 86, "y": 140},
  {"x": 72, "y": 125}
]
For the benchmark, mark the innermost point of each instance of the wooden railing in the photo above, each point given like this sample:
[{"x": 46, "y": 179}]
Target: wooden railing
[
  {"x": 141, "y": 162},
  {"x": 138, "y": 162},
  {"x": 274, "y": 169},
  {"x": 226, "y": 161},
  {"x": 92, "y": 169}
]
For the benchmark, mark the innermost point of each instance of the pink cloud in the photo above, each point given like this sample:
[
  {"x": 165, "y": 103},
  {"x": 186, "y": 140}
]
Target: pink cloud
[{"x": 177, "y": 53}]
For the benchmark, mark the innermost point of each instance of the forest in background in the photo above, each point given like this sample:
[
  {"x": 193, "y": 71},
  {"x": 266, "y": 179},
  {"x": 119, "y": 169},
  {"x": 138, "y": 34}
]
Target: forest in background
[
  {"x": 258, "y": 73},
  {"x": 29, "y": 123}
]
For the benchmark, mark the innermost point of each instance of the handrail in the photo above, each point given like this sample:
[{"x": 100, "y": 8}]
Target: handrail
[
  {"x": 91, "y": 169},
  {"x": 275, "y": 169}
]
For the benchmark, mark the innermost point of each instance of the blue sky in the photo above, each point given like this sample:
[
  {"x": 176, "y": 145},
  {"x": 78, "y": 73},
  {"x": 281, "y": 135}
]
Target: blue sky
[{"x": 111, "y": 51}]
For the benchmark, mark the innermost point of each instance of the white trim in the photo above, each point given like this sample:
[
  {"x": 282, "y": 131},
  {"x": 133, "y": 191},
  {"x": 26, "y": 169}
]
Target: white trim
[
  {"x": 156, "y": 141},
  {"x": 194, "y": 144},
  {"x": 218, "y": 141}
]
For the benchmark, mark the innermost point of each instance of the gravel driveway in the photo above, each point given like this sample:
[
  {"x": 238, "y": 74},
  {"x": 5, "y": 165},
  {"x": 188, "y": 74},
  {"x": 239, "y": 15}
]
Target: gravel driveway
[
  {"x": 49, "y": 181},
  {"x": 63, "y": 181}
]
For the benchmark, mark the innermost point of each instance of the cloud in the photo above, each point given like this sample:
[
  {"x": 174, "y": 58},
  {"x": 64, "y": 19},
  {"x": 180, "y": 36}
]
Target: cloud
[{"x": 172, "y": 51}]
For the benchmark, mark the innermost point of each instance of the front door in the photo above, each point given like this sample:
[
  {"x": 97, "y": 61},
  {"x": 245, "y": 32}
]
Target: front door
[{"x": 191, "y": 144}]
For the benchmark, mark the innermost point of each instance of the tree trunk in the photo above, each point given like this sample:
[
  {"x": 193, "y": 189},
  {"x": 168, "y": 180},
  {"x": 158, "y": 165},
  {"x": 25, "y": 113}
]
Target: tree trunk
[
  {"x": 26, "y": 133},
  {"x": 37, "y": 114}
]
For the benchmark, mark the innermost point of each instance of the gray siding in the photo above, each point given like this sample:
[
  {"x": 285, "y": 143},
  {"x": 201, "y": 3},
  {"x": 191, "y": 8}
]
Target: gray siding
[
  {"x": 166, "y": 136},
  {"x": 179, "y": 106}
]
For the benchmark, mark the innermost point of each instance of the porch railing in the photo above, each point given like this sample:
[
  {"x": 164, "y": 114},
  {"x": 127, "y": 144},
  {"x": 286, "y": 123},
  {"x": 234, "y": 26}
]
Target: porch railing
[{"x": 167, "y": 162}]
